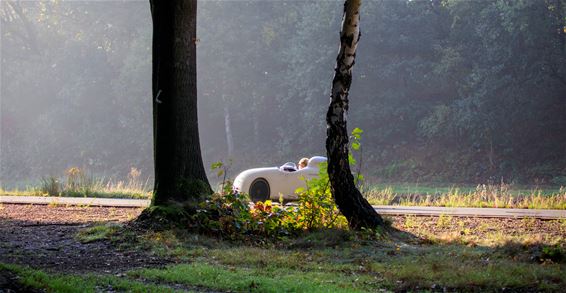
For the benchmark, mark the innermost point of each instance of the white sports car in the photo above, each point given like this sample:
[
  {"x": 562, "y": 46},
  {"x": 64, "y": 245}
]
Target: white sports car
[{"x": 271, "y": 183}]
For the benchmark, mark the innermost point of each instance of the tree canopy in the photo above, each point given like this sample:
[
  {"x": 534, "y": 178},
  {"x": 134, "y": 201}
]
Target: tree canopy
[{"x": 455, "y": 90}]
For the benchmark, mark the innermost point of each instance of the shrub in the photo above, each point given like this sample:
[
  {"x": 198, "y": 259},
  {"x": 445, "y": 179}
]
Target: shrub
[
  {"x": 316, "y": 208},
  {"x": 231, "y": 215}
]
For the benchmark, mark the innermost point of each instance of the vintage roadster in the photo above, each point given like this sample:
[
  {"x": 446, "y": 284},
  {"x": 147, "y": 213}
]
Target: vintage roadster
[{"x": 276, "y": 183}]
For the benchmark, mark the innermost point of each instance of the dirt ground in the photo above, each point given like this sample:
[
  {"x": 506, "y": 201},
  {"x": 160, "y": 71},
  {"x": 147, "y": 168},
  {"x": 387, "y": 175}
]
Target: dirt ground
[
  {"x": 483, "y": 230},
  {"x": 44, "y": 236}
]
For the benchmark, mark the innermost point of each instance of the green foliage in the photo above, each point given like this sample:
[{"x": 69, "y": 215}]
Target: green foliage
[
  {"x": 554, "y": 253},
  {"x": 231, "y": 215},
  {"x": 452, "y": 91},
  {"x": 356, "y": 146},
  {"x": 357, "y": 136},
  {"x": 316, "y": 207},
  {"x": 221, "y": 170}
]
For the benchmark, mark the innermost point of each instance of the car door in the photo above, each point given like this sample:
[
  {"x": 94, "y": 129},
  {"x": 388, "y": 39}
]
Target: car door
[
  {"x": 299, "y": 178},
  {"x": 288, "y": 184}
]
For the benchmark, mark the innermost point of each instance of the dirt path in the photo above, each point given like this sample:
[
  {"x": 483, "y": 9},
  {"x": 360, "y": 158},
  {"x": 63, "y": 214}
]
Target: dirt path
[{"x": 44, "y": 237}]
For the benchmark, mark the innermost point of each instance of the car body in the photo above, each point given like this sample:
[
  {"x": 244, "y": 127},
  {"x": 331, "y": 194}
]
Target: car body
[{"x": 275, "y": 182}]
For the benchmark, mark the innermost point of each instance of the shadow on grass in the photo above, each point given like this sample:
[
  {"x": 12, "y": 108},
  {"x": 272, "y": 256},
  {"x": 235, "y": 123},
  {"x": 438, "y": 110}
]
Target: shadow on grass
[{"x": 396, "y": 260}]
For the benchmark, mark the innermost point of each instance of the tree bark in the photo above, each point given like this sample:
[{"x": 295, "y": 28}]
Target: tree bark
[
  {"x": 179, "y": 171},
  {"x": 356, "y": 209}
]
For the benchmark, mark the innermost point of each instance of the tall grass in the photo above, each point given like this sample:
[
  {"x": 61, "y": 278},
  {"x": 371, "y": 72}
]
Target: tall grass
[
  {"x": 484, "y": 195},
  {"x": 77, "y": 183}
]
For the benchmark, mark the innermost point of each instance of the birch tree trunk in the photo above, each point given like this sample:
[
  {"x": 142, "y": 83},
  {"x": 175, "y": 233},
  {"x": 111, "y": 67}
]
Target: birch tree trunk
[
  {"x": 179, "y": 171},
  {"x": 356, "y": 209}
]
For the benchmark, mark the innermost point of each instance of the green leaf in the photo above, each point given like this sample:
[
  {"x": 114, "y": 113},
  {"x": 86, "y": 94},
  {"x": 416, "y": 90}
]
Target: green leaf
[
  {"x": 351, "y": 159},
  {"x": 355, "y": 145},
  {"x": 216, "y": 165},
  {"x": 357, "y": 133}
]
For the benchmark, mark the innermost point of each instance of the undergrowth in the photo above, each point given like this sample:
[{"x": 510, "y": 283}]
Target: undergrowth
[{"x": 230, "y": 215}]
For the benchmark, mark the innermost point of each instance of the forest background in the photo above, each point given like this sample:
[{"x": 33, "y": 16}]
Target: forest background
[{"x": 446, "y": 91}]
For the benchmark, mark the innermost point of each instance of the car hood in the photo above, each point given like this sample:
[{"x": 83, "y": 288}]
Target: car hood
[{"x": 254, "y": 171}]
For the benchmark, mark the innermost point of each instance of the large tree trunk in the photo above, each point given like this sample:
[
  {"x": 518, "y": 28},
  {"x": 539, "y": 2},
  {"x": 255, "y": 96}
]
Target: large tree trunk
[
  {"x": 350, "y": 201},
  {"x": 179, "y": 171}
]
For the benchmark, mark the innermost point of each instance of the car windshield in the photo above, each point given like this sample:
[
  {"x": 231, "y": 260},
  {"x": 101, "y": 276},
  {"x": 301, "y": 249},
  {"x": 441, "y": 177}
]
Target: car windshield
[{"x": 288, "y": 167}]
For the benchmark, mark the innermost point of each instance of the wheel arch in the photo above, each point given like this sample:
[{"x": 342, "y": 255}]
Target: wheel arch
[{"x": 259, "y": 179}]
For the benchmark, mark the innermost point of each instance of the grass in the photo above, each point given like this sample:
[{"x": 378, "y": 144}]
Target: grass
[
  {"x": 454, "y": 268},
  {"x": 251, "y": 279},
  {"x": 97, "y": 233},
  {"x": 318, "y": 262},
  {"x": 99, "y": 191},
  {"x": 51, "y": 282},
  {"x": 335, "y": 260},
  {"x": 360, "y": 268},
  {"x": 445, "y": 188},
  {"x": 494, "y": 196},
  {"x": 77, "y": 183}
]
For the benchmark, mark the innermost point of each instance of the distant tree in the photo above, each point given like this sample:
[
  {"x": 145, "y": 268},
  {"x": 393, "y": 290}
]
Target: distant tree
[
  {"x": 179, "y": 171},
  {"x": 356, "y": 209},
  {"x": 12, "y": 11},
  {"x": 455, "y": 91}
]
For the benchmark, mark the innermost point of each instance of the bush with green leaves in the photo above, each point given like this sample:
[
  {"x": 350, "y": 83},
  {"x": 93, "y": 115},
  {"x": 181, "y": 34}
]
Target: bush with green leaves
[
  {"x": 231, "y": 215},
  {"x": 316, "y": 207}
]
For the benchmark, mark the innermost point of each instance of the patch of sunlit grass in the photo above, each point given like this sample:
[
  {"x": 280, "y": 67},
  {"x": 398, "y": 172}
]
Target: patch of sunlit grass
[
  {"x": 77, "y": 183},
  {"x": 254, "y": 279},
  {"x": 492, "y": 196},
  {"x": 450, "y": 260},
  {"x": 97, "y": 233},
  {"x": 53, "y": 282},
  {"x": 450, "y": 263}
]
